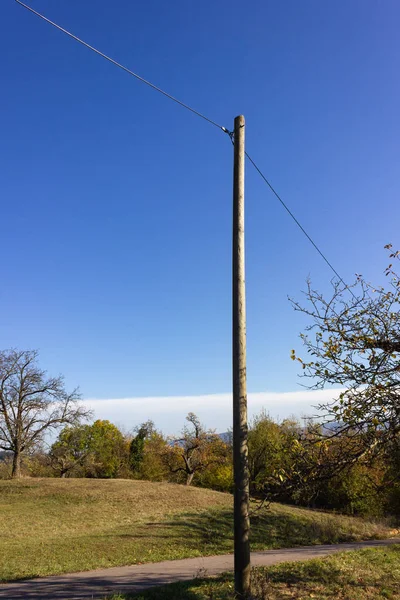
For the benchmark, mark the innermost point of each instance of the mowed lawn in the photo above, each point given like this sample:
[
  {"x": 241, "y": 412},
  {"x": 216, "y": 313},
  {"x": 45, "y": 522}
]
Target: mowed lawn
[
  {"x": 369, "y": 574},
  {"x": 51, "y": 526}
]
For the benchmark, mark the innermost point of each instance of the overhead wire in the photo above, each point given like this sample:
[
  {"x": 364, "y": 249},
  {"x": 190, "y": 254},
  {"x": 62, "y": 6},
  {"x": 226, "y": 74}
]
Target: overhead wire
[
  {"x": 285, "y": 206},
  {"x": 120, "y": 66},
  {"x": 197, "y": 113}
]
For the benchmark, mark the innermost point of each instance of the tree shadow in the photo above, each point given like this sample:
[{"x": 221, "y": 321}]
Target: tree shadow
[
  {"x": 330, "y": 573},
  {"x": 186, "y": 590},
  {"x": 214, "y": 530}
]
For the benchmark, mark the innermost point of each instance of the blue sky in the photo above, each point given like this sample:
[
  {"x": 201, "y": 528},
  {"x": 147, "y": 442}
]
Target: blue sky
[{"x": 116, "y": 203}]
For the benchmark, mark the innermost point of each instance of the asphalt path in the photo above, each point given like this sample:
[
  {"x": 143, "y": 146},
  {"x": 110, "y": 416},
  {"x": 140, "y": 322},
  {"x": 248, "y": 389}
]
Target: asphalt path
[{"x": 96, "y": 585}]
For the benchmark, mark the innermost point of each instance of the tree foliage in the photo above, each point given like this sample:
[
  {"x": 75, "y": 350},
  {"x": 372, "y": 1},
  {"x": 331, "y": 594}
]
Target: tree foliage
[
  {"x": 109, "y": 450},
  {"x": 137, "y": 445},
  {"x": 153, "y": 465},
  {"x": 353, "y": 340},
  {"x": 196, "y": 450},
  {"x": 98, "y": 450},
  {"x": 71, "y": 451},
  {"x": 270, "y": 453}
]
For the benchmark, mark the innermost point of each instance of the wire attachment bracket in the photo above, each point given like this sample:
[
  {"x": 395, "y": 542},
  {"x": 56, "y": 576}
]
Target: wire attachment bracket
[{"x": 225, "y": 130}]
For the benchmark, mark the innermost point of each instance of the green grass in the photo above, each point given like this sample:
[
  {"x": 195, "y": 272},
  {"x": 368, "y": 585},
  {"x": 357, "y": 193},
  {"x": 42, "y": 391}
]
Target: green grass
[
  {"x": 50, "y": 526},
  {"x": 373, "y": 573}
]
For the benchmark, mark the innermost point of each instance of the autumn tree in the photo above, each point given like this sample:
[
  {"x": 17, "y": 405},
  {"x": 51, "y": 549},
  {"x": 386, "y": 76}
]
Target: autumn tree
[
  {"x": 152, "y": 464},
  {"x": 71, "y": 452},
  {"x": 353, "y": 341},
  {"x": 31, "y": 404},
  {"x": 99, "y": 450},
  {"x": 272, "y": 450},
  {"x": 309, "y": 465},
  {"x": 195, "y": 450}
]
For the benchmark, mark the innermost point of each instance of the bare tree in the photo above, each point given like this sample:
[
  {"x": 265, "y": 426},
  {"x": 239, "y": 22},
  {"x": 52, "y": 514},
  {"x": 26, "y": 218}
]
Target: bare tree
[
  {"x": 31, "y": 404},
  {"x": 195, "y": 451}
]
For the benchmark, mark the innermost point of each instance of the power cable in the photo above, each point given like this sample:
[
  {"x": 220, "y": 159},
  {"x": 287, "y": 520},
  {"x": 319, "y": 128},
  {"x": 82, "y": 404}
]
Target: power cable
[
  {"x": 120, "y": 66},
  {"x": 285, "y": 206},
  {"x": 224, "y": 129}
]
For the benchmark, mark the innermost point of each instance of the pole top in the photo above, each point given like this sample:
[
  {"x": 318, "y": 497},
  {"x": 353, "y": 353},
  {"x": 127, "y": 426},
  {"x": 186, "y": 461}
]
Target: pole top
[{"x": 240, "y": 121}]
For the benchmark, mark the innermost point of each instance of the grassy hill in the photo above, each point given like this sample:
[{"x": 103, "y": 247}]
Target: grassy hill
[{"x": 51, "y": 526}]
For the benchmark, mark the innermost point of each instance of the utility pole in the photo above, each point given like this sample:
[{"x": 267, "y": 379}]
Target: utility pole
[{"x": 240, "y": 450}]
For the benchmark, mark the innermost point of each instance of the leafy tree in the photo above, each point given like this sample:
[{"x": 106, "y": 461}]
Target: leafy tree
[
  {"x": 108, "y": 450},
  {"x": 71, "y": 453},
  {"x": 275, "y": 454},
  {"x": 137, "y": 444},
  {"x": 265, "y": 450},
  {"x": 354, "y": 341},
  {"x": 306, "y": 465},
  {"x": 357, "y": 489},
  {"x": 98, "y": 450},
  {"x": 153, "y": 465},
  {"x": 218, "y": 476},
  {"x": 195, "y": 451},
  {"x": 31, "y": 404}
]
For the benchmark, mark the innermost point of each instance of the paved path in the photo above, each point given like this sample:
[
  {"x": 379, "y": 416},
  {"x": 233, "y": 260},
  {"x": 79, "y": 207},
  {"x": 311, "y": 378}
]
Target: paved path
[{"x": 95, "y": 585}]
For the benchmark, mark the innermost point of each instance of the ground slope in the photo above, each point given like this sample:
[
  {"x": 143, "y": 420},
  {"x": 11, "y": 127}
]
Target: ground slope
[{"x": 50, "y": 526}]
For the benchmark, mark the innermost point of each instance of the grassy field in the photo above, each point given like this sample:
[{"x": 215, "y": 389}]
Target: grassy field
[
  {"x": 51, "y": 526},
  {"x": 362, "y": 575}
]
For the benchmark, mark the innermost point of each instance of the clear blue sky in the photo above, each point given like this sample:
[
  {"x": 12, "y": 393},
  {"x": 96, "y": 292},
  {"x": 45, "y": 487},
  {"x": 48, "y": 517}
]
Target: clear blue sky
[{"x": 116, "y": 203}]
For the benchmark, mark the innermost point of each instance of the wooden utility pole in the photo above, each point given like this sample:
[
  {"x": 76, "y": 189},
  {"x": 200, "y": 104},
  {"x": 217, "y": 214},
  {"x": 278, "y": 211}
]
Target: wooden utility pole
[{"x": 240, "y": 451}]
